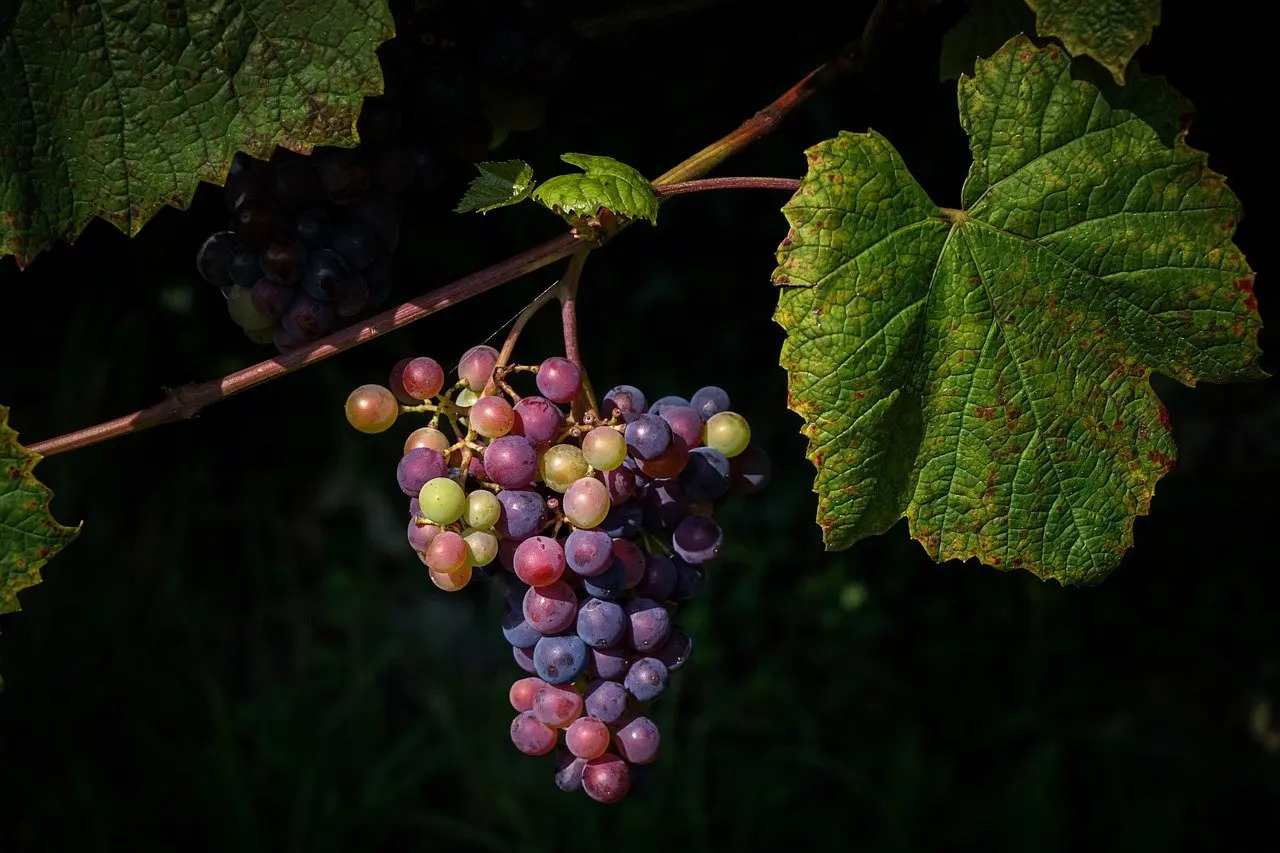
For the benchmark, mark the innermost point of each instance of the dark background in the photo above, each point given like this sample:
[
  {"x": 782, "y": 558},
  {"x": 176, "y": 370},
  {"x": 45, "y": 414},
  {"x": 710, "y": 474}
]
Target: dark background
[{"x": 240, "y": 653}]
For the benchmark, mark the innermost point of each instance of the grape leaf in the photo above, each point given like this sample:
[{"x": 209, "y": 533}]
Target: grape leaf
[
  {"x": 984, "y": 27},
  {"x": 1111, "y": 31},
  {"x": 114, "y": 109},
  {"x": 29, "y": 536},
  {"x": 604, "y": 183},
  {"x": 498, "y": 185},
  {"x": 985, "y": 371}
]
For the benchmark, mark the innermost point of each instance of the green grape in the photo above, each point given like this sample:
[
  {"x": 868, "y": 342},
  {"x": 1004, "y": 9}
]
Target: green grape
[
  {"x": 604, "y": 448},
  {"x": 466, "y": 398},
  {"x": 483, "y": 509},
  {"x": 372, "y": 408},
  {"x": 586, "y": 502},
  {"x": 727, "y": 432},
  {"x": 561, "y": 465},
  {"x": 482, "y": 546},
  {"x": 240, "y": 306},
  {"x": 442, "y": 500}
]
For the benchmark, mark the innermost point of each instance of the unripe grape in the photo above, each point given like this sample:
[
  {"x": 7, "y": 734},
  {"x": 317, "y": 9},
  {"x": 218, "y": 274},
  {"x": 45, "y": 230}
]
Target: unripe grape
[
  {"x": 442, "y": 500},
  {"x": 466, "y": 398},
  {"x": 476, "y": 366},
  {"x": 604, "y": 448},
  {"x": 428, "y": 437},
  {"x": 727, "y": 432},
  {"x": 451, "y": 581},
  {"x": 447, "y": 552},
  {"x": 483, "y": 509},
  {"x": 482, "y": 546},
  {"x": 245, "y": 314},
  {"x": 492, "y": 416},
  {"x": 586, "y": 502},
  {"x": 372, "y": 408},
  {"x": 561, "y": 465}
]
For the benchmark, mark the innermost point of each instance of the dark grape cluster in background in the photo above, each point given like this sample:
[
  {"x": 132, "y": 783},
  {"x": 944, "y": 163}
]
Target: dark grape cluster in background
[
  {"x": 311, "y": 238},
  {"x": 602, "y": 524}
]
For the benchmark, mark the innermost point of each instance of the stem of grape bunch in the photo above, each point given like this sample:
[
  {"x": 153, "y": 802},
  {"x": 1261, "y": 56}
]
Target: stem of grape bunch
[{"x": 185, "y": 402}]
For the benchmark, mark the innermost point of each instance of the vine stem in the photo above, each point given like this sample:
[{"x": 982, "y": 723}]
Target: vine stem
[
  {"x": 568, "y": 291},
  {"x": 705, "y": 184},
  {"x": 185, "y": 402}
]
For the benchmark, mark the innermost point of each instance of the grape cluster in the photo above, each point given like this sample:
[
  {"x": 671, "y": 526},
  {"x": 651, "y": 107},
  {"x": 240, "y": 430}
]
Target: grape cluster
[{"x": 599, "y": 524}]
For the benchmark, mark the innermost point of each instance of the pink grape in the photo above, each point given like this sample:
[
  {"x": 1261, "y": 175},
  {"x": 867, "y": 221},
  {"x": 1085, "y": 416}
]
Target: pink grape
[
  {"x": 587, "y": 738},
  {"x": 476, "y": 366},
  {"x": 537, "y": 419},
  {"x": 428, "y": 437},
  {"x": 530, "y": 736},
  {"x": 684, "y": 422},
  {"x": 632, "y": 560},
  {"x": 447, "y": 552},
  {"x": 557, "y": 706},
  {"x": 420, "y": 535},
  {"x": 522, "y": 692},
  {"x": 539, "y": 560},
  {"x": 396, "y": 383},
  {"x": 372, "y": 408},
  {"x": 586, "y": 502},
  {"x": 638, "y": 741},
  {"x": 422, "y": 378},
  {"x": 559, "y": 379},
  {"x": 492, "y": 416},
  {"x": 451, "y": 581},
  {"x": 606, "y": 779},
  {"x": 551, "y": 608}
]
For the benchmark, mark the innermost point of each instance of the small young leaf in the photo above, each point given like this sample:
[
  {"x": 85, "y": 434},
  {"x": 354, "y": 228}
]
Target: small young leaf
[
  {"x": 981, "y": 31},
  {"x": 604, "y": 183},
  {"x": 1111, "y": 31},
  {"x": 985, "y": 372},
  {"x": 29, "y": 536},
  {"x": 497, "y": 185},
  {"x": 116, "y": 109}
]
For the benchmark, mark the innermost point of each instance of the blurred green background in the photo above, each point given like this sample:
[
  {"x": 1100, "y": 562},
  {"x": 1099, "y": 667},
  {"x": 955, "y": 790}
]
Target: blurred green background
[{"x": 240, "y": 653}]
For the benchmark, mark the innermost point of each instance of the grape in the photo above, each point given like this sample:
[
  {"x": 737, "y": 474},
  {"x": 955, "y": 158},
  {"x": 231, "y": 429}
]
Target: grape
[
  {"x": 625, "y": 400},
  {"x": 285, "y": 340},
  {"x": 684, "y": 422},
  {"x": 648, "y": 436},
  {"x": 606, "y": 779},
  {"x": 666, "y": 505},
  {"x": 313, "y": 228},
  {"x": 556, "y": 706},
  {"x": 561, "y": 659},
  {"x": 649, "y": 624},
  {"x": 379, "y": 214},
  {"x": 608, "y": 584},
  {"x": 559, "y": 380},
  {"x": 442, "y": 500},
  {"x": 522, "y": 512},
  {"x": 244, "y": 313},
  {"x": 537, "y": 419},
  {"x": 524, "y": 657},
  {"x": 356, "y": 245},
  {"x": 709, "y": 401},
  {"x": 307, "y": 318},
  {"x": 668, "y": 464},
  {"x": 517, "y": 631},
  {"x": 422, "y": 378},
  {"x": 604, "y": 448},
  {"x": 561, "y": 465},
  {"x": 621, "y": 483},
  {"x": 606, "y": 701},
  {"x": 482, "y": 546},
  {"x": 623, "y": 520},
  {"x": 539, "y": 561},
  {"x": 601, "y": 624},
  {"x": 372, "y": 408},
  {"x": 522, "y": 692},
  {"x": 750, "y": 470},
  {"x": 550, "y": 608},
  {"x": 511, "y": 461},
  {"x": 611, "y": 664},
  {"x": 530, "y": 736},
  {"x": 259, "y": 222},
  {"x": 659, "y": 578},
  {"x": 588, "y": 552},
  {"x": 483, "y": 509},
  {"x": 664, "y": 402},
  {"x": 417, "y": 467},
  {"x": 284, "y": 262},
  {"x": 587, "y": 738},
  {"x": 727, "y": 432},
  {"x": 697, "y": 539},
  {"x": 447, "y": 552},
  {"x": 451, "y": 581},
  {"x": 632, "y": 559},
  {"x": 428, "y": 437},
  {"x": 326, "y": 275},
  {"x": 569, "y": 773},
  {"x": 646, "y": 679},
  {"x": 270, "y": 298},
  {"x": 344, "y": 176},
  {"x": 676, "y": 650},
  {"x": 688, "y": 580},
  {"x": 706, "y": 477},
  {"x": 244, "y": 268},
  {"x": 420, "y": 535},
  {"x": 638, "y": 741},
  {"x": 214, "y": 257},
  {"x": 492, "y": 417},
  {"x": 466, "y": 398},
  {"x": 476, "y": 366},
  {"x": 586, "y": 503}
]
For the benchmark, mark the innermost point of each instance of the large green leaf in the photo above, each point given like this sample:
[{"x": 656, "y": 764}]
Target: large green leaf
[
  {"x": 114, "y": 108},
  {"x": 603, "y": 183},
  {"x": 1111, "y": 31},
  {"x": 985, "y": 372}
]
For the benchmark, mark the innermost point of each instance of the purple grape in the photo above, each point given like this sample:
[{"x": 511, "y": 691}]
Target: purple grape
[
  {"x": 709, "y": 401},
  {"x": 559, "y": 379},
  {"x": 326, "y": 275},
  {"x": 659, "y": 578},
  {"x": 751, "y": 470},
  {"x": 676, "y": 650},
  {"x": 623, "y": 520},
  {"x": 638, "y": 741},
  {"x": 648, "y": 436},
  {"x": 286, "y": 340},
  {"x": 550, "y": 608},
  {"x": 522, "y": 514},
  {"x": 271, "y": 298},
  {"x": 420, "y": 535},
  {"x": 632, "y": 561},
  {"x": 666, "y": 506},
  {"x": 537, "y": 419},
  {"x": 669, "y": 400},
  {"x": 418, "y": 467},
  {"x": 352, "y": 297},
  {"x": 646, "y": 679},
  {"x": 697, "y": 539},
  {"x": 610, "y": 583},
  {"x": 518, "y": 632},
  {"x": 356, "y": 244},
  {"x": 601, "y": 624},
  {"x": 559, "y": 660},
  {"x": 706, "y": 476},
  {"x": 344, "y": 176},
  {"x": 688, "y": 580},
  {"x": 587, "y": 552},
  {"x": 524, "y": 657},
  {"x": 415, "y": 508},
  {"x": 244, "y": 268},
  {"x": 260, "y": 222},
  {"x": 625, "y": 399},
  {"x": 511, "y": 461},
  {"x": 649, "y": 624},
  {"x": 609, "y": 664},
  {"x": 284, "y": 262},
  {"x": 606, "y": 701},
  {"x": 569, "y": 773},
  {"x": 621, "y": 483},
  {"x": 307, "y": 318},
  {"x": 380, "y": 214},
  {"x": 214, "y": 256},
  {"x": 313, "y": 227},
  {"x": 684, "y": 422}
]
